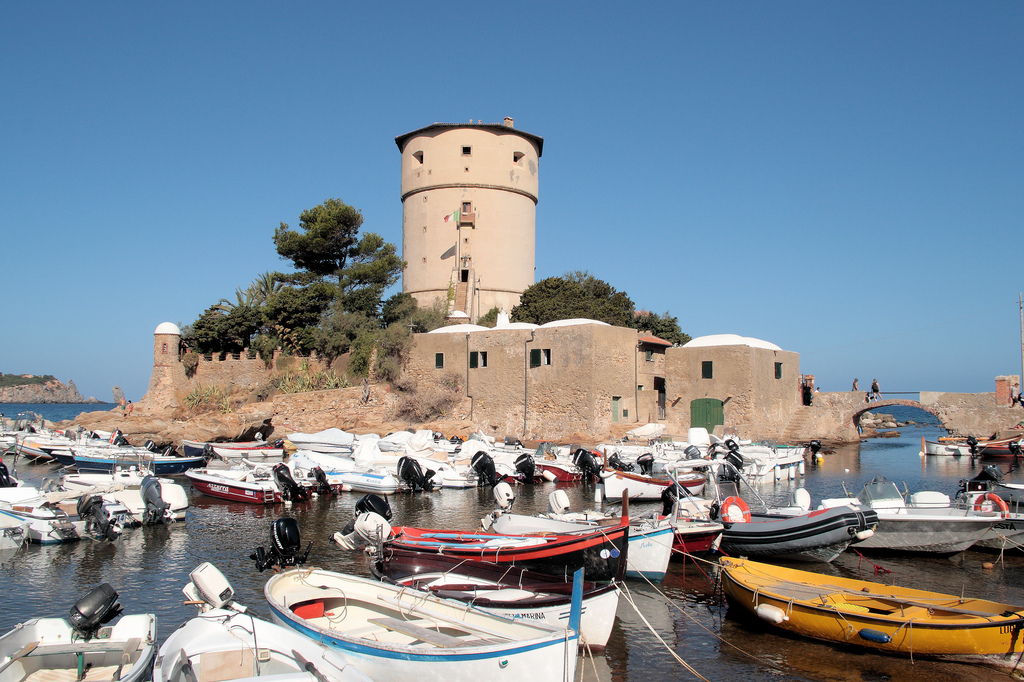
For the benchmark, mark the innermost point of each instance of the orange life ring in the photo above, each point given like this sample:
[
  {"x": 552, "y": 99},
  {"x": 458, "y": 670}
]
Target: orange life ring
[
  {"x": 735, "y": 510},
  {"x": 997, "y": 502}
]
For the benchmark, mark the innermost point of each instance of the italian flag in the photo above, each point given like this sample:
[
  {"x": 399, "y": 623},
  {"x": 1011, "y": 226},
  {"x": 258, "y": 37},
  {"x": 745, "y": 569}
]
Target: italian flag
[{"x": 452, "y": 217}]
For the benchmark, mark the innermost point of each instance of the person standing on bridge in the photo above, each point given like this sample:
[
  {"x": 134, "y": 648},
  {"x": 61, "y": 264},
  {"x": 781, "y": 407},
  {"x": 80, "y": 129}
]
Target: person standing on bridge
[
  {"x": 875, "y": 394},
  {"x": 856, "y": 386}
]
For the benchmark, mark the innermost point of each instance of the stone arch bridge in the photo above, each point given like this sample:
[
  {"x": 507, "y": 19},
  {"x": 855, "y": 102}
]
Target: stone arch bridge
[{"x": 836, "y": 416}]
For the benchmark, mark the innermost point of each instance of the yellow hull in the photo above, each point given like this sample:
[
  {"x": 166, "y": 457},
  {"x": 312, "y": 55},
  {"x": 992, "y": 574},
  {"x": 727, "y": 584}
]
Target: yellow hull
[{"x": 883, "y": 617}]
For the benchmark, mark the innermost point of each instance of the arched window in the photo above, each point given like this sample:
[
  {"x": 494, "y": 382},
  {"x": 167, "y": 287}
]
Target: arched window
[{"x": 164, "y": 351}]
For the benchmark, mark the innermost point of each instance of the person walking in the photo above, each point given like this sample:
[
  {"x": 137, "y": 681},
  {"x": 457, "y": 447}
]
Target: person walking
[
  {"x": 875, "y": 393},
  {"x": 130, "y": 408},
  {"x": 856, "y": 386}
]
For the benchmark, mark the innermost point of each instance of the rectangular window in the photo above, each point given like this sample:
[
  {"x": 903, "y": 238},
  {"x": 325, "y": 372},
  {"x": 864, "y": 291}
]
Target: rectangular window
[
  {"x": 517, "y": 157},
  {"x": 477, "y": 359},
  {"x": 467, "y": 151},
  {"x": 625, "y": 412},
  {"x": 640, "y": 387},
  {"x": 705, "y": 369},
  {"x": 649, "y": 355},
  {"x": 778, "y": 370},
  {"x": 483, "y": 358},
  {"x": 546, "y": 353},
  {"x": 467, "y": 206},
  {"x": 535, "y": 357},
  {"x": 438, "y": 360}
]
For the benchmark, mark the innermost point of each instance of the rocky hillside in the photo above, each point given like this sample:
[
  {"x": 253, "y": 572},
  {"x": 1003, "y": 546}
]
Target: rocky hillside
[{"x": 40, "y": 390}]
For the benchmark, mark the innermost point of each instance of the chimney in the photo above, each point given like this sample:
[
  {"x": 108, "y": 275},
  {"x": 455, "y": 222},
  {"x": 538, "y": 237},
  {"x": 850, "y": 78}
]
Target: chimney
[{"x": 509, "y": 122}]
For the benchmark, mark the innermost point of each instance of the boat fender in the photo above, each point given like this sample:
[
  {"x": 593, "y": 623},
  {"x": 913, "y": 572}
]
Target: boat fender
[
  {"x": 874, "y": 636},
  {"x": 991, "y": 502},
  {"x": 549, "y": 477},
  {"x": 735, "y": 510},
  {"x": 770, "y": 613},
  {"x": 864, "y": 534}
]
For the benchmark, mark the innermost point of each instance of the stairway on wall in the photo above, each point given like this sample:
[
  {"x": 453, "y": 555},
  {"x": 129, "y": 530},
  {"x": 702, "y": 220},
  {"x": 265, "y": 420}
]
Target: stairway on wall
[
  {"x": 461, "y": 294},
  {"x": 795, "y": 429}
]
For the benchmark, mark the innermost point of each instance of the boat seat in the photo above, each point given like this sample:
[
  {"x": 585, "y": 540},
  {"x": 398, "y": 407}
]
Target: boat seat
[
  {"x": 418, "y": 632},
  {"x": 218, "y": 666}
]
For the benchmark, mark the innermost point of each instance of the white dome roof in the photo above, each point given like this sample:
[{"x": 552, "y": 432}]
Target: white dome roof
[
  {"x": 517, "y": 325},
  {"x": 575, "y": 321},
  {"x": 729, "y": 340},
  {"x": 459, "y": 328},
  {"x": 458, "y": 313},
  {"x": 167, "y": 328}
]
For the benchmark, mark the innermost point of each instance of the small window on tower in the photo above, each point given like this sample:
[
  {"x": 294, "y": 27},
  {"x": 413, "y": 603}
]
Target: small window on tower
[
  {"x": 165, "y": 349},
  {"x": 517, "y": 157},
  {"x": 418, "y": 157},
  {"x": 467, "y": 206},
  {"x": 467, "y": 151}
]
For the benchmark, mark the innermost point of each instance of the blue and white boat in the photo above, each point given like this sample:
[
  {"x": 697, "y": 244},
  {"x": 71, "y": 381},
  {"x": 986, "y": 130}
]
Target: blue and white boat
[
  {"x": 159, "y": 464},
  {"x": 390, "y": 632}
]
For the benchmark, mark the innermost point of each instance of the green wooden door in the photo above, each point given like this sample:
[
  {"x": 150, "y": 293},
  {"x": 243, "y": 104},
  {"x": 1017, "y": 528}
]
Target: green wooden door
[
  {"x": 706, "y": 412},
  {"x": 615, "y": 408}
]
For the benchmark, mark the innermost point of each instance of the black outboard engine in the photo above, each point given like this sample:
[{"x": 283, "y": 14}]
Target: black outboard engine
[
  {"x": 169, "y": 451},
  {"x": 587, "y": 463},
  {"x": 151, "y": 446},
  {"x": 285, "y": 545},
  {"x": 456, "y": 440},
  {"x": 972, "y": 443},
  {"x": 208, "y": 452},
  {"x": 483, "y": 465},
  {"x": 5, "y": 477},
  {"x": 646, "y": 463},
  {"x": 527, "y": 467},
  {"x": 1014, "y": 447},
  {"x": 411, "y": 473},
  {"x": 615, "y": 462},
  {"x": 990, "y": 473},
  {"x": 290, "y": 490},
  {"x": 94, "y": 610},
  {"x": 322, "y": 487},
  {"x": 669, "y": 497},
  {"x": 118, "y": 439},
  {"x": 373, "y": 503},
  {"x": 735, "y": 459},
  {"x": 152, "y": 495},
  {"x": 692, "y": 452},
  {"x": 513, "y": 442},
  {"x": 90, "y": 509},
  {"x": 815, "y": 446}
]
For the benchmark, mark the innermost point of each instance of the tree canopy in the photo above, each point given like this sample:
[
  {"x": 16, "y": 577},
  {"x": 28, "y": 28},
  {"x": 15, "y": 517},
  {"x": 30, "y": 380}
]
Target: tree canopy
[
  {"x": 581, "y": 295},
  {"x": 329, "y": 232}
]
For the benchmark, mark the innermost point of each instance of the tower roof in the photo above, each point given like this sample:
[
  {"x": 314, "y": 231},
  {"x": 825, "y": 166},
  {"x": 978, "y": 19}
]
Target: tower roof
[
  {"x": 496, "y": 127},
  {"x": 167, "y": 328}
]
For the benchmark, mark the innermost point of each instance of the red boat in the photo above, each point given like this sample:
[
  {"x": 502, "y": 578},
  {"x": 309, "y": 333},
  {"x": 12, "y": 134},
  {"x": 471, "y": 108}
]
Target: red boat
[
  {"x": 599, "y": 552},
  {"x": 1005, "y": 447},
  {"x": 560, "y": 472},
  {"x": 696, "y": 537}
]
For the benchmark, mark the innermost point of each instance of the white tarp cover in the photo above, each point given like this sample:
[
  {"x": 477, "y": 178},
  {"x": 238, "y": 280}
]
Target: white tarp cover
[
  {"x": 366, "y": 454},
  {"x": 330, "y": 436},
  {"x": 647, "y": 431},
  {"x": 421, "y": 444}
]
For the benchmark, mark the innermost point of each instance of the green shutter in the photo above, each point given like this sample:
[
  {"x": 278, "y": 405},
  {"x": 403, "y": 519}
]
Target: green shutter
[
  {"x": 438, "y": 360},
  {"x": 473, "y": 360},
  {"x": 535, "y": 357},
  {"x": 705, "y": 370},
  {"x": 778, "y": 370}
]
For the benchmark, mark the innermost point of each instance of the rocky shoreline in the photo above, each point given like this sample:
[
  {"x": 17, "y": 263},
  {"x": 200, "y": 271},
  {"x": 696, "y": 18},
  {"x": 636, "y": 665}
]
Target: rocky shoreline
[{"x": 51, "y": 392}]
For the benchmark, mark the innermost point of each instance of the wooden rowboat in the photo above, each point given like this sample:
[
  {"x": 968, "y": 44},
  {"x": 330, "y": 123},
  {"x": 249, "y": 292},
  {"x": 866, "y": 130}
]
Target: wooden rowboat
[{"x": 887, "y": 618}]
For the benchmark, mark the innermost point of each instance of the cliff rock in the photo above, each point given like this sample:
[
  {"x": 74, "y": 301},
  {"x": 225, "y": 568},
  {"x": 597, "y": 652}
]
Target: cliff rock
[{"x": 52, "y": 391}]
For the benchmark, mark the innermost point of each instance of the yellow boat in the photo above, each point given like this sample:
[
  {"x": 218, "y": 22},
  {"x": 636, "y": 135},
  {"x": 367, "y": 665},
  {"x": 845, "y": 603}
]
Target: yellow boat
[{"x": 887, "y": 618}]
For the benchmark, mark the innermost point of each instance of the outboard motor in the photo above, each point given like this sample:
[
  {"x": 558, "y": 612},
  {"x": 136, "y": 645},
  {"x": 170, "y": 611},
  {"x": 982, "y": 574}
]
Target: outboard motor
[
  {"x": 669, "y": 497},
  {"x": 375, "y": 504},
  {"x": 290, "y": 490},
  {"x": 157, "y": 510},
  {"x": 504, "y": 496},
  {"x": 5, "y": 477},
  {"x": 815, "y": 446},
  {"x": 169, "y": 451},
  {"x": 990, "y": 473},
  {"x": 558, "y": 502},
  {"x": 513, "y": 442},
  {"x": 285, "y": 545},
  {"x": 410, "y": 472},
  {"x": 587, "y": 463},
  {"x": 1014, "y": 447},
  {"x": 526, "y": 466},
  {"x": 615, "y": 462},
  {"x": 370, "y": 524},
  {"x": 972, "y": 443},
  {"x": 456, "y": 440},
  {"x": 151, "y": 446},
  {"x": 483, "y": 465},
  {"x": 208, "y": 452},
  {"x": 90, "y": 508},
  {"x": 117, "y": 439},
  {"x": 646, "y": 463},
  {"x": 322, "y": 487},
  {"x": 692, "y": 452},
  {"x": 94, "y": 610}
]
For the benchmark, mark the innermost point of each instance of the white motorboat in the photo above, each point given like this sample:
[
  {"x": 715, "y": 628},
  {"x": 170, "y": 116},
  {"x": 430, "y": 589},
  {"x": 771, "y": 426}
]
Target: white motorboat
[
  {"x": 332, "y": 441},
  {"x": 342, "y": 473},
  {"x": 391, "y": 632},
  {"x": 82, "y": 647},
  {"x": 226, "y": 642},
  {"x": 12, "y": 532},
  {"x": 925, "y": 522},
  {"x": 148, "y": 499},
  {"x": 62, "y": 516}
]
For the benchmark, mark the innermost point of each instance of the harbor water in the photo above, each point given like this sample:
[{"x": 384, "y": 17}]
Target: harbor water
[{"x": 685, "y": 615}]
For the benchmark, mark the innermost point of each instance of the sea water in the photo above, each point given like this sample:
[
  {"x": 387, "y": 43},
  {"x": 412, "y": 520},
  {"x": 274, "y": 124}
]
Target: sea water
[
  {"x": 53, "y": 412},
  {"x": 149, "y": 566}
]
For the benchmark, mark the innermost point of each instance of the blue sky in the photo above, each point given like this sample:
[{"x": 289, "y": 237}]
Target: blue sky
[{"x": 842, "y": 179}]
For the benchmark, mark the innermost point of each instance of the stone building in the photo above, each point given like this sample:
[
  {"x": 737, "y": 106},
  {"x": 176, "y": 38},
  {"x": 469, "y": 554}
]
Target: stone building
[
  {"x": 582, "y": 376},
  {"x": 469, "y": 207}
]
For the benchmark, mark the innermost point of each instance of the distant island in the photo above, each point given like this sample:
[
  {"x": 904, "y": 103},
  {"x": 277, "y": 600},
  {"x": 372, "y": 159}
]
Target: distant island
[{"x": 31, "y": 388}]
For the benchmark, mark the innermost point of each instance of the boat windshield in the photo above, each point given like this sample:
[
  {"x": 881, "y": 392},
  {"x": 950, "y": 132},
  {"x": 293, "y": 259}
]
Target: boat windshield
[
  {"x": 879, "y": 491},
  {"x": 728, "y": 489}
]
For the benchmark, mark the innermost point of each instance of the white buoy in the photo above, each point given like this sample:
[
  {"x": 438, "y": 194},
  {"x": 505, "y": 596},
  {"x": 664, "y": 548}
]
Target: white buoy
[
  {"x": 598, "y": 493},
  {"x": 792, "y": 473},
  {"x": 771, "y": 613},
  {"x": 549, "y": 477},
  {"x": 802, "y": 468}
]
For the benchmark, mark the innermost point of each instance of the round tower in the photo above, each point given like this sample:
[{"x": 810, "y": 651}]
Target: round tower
[
  {"x": 166, "y": 341},
  {"x": 469, "y": 214}
]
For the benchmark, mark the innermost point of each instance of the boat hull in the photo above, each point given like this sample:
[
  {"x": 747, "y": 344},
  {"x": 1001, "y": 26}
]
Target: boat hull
[
  {"x": 223, "y": 488},
  {"x": 875, "y": 616},
  {"x": 818, "y": 536},
  {"x": 158, "y": 464},
  {"x": 924, "y": 531}
]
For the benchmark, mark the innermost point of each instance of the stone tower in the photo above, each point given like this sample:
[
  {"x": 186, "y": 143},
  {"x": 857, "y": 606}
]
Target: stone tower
[
  {"x": 168, "y": 374},
  {"x": 469, "y": 214}
]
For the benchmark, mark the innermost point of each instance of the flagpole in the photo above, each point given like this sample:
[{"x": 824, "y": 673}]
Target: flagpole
[{"x": 1020, "y": 305}]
